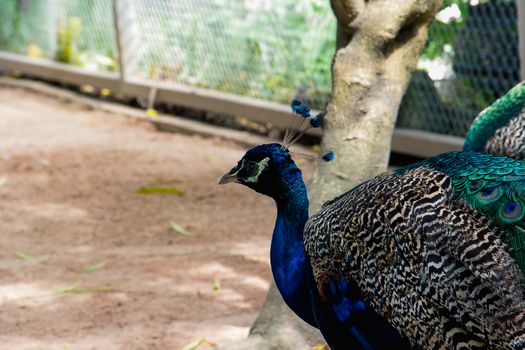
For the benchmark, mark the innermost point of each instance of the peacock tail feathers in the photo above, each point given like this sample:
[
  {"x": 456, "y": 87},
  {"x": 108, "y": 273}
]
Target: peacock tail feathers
[
  {"x": 429, "y": 263},
  {"x": 499, "y": 129},
  {"x": 492, "y": 185}
]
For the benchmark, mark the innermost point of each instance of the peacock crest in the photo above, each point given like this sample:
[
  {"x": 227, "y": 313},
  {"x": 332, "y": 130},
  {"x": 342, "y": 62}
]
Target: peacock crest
[{"x": 299, "y": 126}]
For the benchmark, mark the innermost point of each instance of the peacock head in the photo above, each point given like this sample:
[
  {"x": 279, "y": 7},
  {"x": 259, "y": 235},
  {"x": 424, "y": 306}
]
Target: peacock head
[
  {"x": 269, "y": 168},
  {"x": 266, "y": 169}
]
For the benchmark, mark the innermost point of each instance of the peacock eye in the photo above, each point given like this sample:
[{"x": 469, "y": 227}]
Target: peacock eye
[
  {"x": 250, "y": 168},
  {"x": 489, "y": 193},
  {"x": 512, "y": 210}
]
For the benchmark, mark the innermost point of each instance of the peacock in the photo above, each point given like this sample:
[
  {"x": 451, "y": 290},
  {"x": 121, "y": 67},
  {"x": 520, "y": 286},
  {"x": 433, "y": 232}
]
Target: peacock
[
  {"x": 427, "y": 256},
  {"x": 500, "y": 128}
]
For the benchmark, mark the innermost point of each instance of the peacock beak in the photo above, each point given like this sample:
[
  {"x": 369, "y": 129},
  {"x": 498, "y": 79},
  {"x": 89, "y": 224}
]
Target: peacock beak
[{"x": 230, "y": 176}]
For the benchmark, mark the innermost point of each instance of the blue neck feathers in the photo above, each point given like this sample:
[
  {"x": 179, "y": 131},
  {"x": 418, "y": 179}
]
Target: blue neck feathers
[{"x": 290, "y": 266}]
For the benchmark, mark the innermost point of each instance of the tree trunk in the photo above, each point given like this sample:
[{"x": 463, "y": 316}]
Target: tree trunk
[
  {"x": 378, "y": 45},
  {"x": 278, "y": 328}
]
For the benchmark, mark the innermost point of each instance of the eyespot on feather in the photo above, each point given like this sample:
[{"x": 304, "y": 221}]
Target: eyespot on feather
[
  {"x": 490, "y": 194},
  {"x": 512, "y": 211}
]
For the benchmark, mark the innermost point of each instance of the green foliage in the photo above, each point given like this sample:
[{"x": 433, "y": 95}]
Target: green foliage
[
  {"x": 74, "y": 31},
  {"x": 160, "y": 190},
  {"x": 95, "y": 41},
  {"x": 179, "y": 229},
  {"x": 77, "y": 288},
  {"x": 27, "y": 258},
  {"x": 476, "y": 53},
  {"x": 272, "y": 50},
  {"x": 68, "y": 31},
  {"x": 441, "y": 34},
  {"x": 93, "y": 268},
  {"x": 197, "y": 343},
  {"x": 22, "y": 23}
]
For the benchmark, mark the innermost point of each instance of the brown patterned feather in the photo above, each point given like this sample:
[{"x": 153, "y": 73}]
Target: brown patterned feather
[{"x": 434, "y": 267}]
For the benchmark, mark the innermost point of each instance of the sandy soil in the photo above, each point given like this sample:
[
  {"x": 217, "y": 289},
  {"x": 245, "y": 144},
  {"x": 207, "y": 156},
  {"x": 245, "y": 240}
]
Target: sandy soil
[{"x": 68, "y": 179}]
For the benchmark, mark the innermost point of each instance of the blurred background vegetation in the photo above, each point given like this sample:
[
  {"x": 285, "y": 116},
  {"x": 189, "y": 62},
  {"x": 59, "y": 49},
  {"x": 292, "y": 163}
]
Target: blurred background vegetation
[{"x": 274, "y": 49}]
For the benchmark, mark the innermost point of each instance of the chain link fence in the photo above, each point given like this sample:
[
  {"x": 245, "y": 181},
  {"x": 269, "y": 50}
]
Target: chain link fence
[
  {"x": 77, "y": 32},
  {"x": 274, "y": 50},
  {"x": 470, "y": 60}
]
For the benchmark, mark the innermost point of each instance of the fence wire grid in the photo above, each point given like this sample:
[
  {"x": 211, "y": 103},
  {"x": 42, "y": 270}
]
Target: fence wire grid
[
  {"x": 470, "y": 60},
  {"x": 270, "y": 49}
]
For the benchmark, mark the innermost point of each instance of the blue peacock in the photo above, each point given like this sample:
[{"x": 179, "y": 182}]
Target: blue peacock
[{"x": 426, "y": 257}]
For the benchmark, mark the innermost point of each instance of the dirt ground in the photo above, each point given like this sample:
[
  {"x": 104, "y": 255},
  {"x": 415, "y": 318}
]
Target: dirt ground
[{"x": 68, "y": 186}]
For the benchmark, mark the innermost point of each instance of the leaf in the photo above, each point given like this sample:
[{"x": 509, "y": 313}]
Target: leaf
[
  {"x": 161, "y": 190},
  {"x": 67, "y": 289},
  {"x": 196, "y": 343},
  {"x": 152, "y": 113},
  {"x": 27, "y": 258},
  {"x": 78, "y": 289},
  {"x": 34, "y": 51},
  {"x": 105, "y": 92},
  {"x": 179, "y": 229},
  {"x": 216, "y": 285},
  {"x": 320, "y": 347},
  {"x": 93, "y": 268},
  {"x": 88, "y": 89},
  {"x": 210, "y": 159}
]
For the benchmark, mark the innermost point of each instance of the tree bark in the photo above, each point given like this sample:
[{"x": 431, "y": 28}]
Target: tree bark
[
  {"x": 378, "y": 45},
  {"x": 278, "y": 328}
]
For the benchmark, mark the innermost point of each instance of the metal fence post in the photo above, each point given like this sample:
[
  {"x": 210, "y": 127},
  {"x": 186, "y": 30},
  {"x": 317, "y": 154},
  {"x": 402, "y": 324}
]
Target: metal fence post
[
  {"x": 126, "y": 37},
  {"x": 520, "y": 4}
]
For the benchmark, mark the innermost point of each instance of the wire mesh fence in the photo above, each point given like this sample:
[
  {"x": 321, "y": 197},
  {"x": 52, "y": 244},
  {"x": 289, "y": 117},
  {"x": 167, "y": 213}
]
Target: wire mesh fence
[
  {"x": 75, "y": 32},
  {"x": 267, "y": 49},
  {"x": 274, "y": 50},
  {"x": 471, "y": 59}
]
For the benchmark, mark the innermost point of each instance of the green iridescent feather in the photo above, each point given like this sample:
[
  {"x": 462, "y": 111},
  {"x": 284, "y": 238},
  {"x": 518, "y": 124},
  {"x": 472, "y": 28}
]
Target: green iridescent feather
[
  {"x": 492, "y": 185},
  {"x": 494, "y": 117}
]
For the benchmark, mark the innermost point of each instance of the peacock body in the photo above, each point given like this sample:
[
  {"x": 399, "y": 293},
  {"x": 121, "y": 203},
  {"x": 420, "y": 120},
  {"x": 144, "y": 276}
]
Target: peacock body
[
  {"x": 348, "y": 323},
  {"x": 430, "y": 256},
  {"x": 417, "y": 255},
  {"x": 436, "y": 268}
]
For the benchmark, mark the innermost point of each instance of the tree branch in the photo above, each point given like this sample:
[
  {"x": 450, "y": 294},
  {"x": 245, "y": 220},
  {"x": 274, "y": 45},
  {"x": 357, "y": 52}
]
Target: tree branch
[
  {"x": 370, "y": 75},
  {"x": 346, "y": 12}
]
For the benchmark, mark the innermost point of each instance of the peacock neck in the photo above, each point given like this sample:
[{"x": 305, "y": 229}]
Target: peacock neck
[
  {"x": 290, "y": 266},
  {"x": 494, "y": 117}
]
